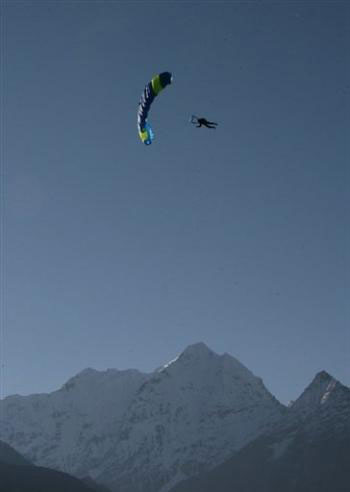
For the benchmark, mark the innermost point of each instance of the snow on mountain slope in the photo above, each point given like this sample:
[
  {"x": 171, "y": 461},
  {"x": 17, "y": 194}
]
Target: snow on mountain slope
[
  {"x": 70, "y": 429},
  {"x": 138, "y": 432},
  {"x": 192, "y": 413}
]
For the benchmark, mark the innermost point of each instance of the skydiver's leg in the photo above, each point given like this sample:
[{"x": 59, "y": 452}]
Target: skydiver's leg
[
  {"x": 212, "y": 123},
  {"x": 210, "y": 126}
]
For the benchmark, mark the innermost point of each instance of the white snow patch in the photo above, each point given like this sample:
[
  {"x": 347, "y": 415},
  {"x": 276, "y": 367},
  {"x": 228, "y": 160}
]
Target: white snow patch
[
  {"x": 168, "y": 364},
  {"x": 329, "y": 390}
]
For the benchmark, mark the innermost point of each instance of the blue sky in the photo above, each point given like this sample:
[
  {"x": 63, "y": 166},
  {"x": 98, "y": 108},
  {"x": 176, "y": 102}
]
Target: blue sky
[{"x": 115, "y": 254}]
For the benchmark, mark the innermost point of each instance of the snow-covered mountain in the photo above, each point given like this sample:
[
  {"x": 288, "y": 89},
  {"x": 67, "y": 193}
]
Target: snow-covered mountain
[
  {"x": 70, "y": 429},
  {"x": 192, "y": 413},
  {"x": 306, "y": 452},
  {"x": 325, "y": 399},
  {"x": 139, "y": 432}
]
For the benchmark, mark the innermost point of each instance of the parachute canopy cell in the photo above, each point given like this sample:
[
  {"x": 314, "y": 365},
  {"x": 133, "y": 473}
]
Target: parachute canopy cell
[{"x": 152, "y": 89}]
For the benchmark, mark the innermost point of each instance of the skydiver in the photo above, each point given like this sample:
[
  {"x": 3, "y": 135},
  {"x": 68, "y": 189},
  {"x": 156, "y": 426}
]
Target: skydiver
[{"x": 203, "y": 122}]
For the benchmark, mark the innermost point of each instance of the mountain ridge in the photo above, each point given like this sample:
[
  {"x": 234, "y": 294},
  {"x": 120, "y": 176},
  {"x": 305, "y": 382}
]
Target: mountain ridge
[
  {"x": 138, "y": 432},
  {"x": 306, "y": 452}
]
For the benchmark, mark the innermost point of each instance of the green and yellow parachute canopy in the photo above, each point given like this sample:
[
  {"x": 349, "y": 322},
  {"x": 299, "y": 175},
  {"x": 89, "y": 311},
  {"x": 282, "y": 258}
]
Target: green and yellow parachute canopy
[{"x": 152, "y": 89}]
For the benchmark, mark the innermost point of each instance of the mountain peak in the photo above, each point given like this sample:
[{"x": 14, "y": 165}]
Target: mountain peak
[
  {"x": 197, "y": 349},
  {"x": 321, "y": 384},
  {"x": 323, "y": 376},
  {"x": 195, "y": 352},
  {"x": 323, "y": 389}
]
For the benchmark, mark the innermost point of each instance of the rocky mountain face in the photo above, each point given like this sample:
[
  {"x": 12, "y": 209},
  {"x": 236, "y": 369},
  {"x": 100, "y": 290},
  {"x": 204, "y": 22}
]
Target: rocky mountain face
[
  {"x": 306, "y": 452},
  {"x": 191, "y": 414},
  {"x": 203, "y": 417},
  {"x": 143, "y": 432},
  {"x": 70, "y": 429}
]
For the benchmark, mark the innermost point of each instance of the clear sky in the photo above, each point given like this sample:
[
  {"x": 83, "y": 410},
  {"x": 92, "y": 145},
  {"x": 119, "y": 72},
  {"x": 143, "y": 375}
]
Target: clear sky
[{"x": 119, "y": 255}]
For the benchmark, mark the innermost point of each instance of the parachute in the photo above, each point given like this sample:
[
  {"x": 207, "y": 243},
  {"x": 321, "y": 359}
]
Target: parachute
[{"x": 152, "y": 89}]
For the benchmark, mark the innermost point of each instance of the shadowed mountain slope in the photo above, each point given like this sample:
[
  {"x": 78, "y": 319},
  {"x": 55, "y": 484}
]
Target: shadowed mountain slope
[{"x": 308, "y": 451}]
